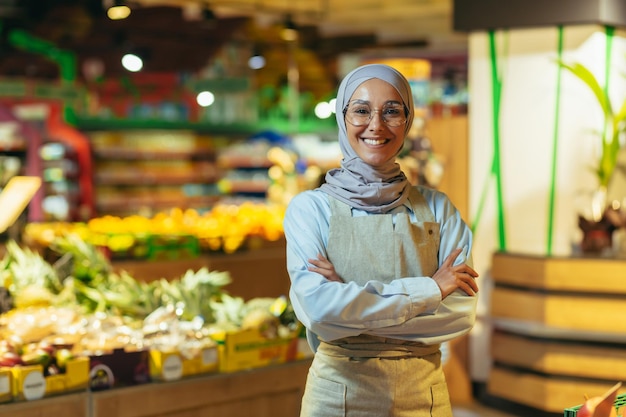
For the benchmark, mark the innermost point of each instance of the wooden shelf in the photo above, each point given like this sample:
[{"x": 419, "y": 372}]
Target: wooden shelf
[
  {"x": 70, "y": 405},
  {"x": 583, "y": 275},
  {"x": 273, "y": 391},
  {"x": 559, "y": 326},
  {"x": 121, "y": 153}
]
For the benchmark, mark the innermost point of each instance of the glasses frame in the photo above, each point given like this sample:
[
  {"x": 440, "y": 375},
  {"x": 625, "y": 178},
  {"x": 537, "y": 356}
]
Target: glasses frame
[{"x": 371, "y": 116}]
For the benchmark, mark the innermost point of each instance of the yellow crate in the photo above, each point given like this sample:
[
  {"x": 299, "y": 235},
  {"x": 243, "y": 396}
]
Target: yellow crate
[
  {"x": 173, "y": 365},
  {"x": 6, "y": 378},
  {"x": 247, "y": 349},
  {"x": 29, "y": 382}
]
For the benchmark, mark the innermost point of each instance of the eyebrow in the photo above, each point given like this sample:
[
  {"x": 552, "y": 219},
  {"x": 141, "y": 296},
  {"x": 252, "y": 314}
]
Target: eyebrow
[{"x": 388, "y": 102}]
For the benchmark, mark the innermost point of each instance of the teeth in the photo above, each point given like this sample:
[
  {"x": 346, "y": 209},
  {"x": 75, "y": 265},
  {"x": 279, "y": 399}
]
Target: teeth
[{"x": 374, "y": 142}]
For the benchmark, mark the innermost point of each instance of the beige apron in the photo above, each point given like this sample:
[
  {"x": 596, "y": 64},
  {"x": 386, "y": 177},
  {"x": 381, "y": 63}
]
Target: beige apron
[{"x": 368, "y": 376}]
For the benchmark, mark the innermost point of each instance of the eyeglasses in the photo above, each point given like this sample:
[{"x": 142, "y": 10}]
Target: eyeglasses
[{"x": 360, "y": 114}]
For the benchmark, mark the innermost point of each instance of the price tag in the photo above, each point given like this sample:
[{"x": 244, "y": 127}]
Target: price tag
[
  {"x": 172, "y": 368},
  {"x": 34, "y": 386},
  {"x": 5, "y": 386},
  {"x": 209, "y": 356}
]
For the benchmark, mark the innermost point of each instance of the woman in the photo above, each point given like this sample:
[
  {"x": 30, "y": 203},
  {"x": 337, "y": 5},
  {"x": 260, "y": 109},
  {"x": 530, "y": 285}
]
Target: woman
[{"x": 380, "y": 270}]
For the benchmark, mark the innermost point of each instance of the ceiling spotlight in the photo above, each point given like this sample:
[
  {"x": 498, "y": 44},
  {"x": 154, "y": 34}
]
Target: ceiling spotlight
[
  {"x": 132, "y": 62},
  {"x": 135, "y": 58},
  {"x": 118, "y": 11},
  {"x": 205, "y": 98},
  {"x": 290, "y": 30},
  {"x": 256, "y": 60}
]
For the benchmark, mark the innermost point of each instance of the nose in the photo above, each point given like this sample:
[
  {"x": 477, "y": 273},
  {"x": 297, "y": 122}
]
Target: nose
[{"x": 376, "y": 118}]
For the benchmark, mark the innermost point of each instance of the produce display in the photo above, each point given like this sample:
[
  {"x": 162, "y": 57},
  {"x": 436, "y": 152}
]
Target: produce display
[
  {"x": 226, "y": 227},
  {"x": 606, "y": 405},
  {"x": 75, "y": 307}
]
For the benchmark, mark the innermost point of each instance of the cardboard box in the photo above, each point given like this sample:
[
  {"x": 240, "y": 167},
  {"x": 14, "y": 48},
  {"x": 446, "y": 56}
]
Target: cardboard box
[
  {"x": 29, "y": 382},
  {"x": 173, "y": 365},
  {"x": 118, "y": 369},
  {"x": 247, "y": 349}
]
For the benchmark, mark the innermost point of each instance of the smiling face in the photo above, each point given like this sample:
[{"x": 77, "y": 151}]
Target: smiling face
[{"x": 376, "y": 143}]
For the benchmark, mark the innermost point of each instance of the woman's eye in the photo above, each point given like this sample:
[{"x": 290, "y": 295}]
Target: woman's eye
[
  {"x": 362, "y": 110},
  {"x": 392, "y": 111}
]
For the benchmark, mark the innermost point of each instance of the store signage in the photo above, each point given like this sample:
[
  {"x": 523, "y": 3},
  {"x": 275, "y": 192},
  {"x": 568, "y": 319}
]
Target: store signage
[
  {"x": 36, "y": 90},
  {"x": 63, "y": 92},
  {"x": 13, "y": 89}
]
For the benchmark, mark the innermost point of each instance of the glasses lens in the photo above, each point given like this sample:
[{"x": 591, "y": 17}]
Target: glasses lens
[{"x": 361, "y": 114}]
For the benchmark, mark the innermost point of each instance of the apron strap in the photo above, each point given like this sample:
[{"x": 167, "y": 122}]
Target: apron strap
[
  {"x": 420, "y": 207},
  {"x": 339, "y": 208},
  {"x": 366, "y": 346}
]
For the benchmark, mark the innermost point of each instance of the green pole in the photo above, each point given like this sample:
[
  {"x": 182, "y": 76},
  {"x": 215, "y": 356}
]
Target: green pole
[{"x": 555, "y": 140}]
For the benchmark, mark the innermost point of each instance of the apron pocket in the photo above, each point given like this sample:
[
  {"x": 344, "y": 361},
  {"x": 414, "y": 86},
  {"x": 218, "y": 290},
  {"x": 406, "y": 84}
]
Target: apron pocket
[
  {"x": 441, "y": 401},
  {"x": 323, "y": 398}
]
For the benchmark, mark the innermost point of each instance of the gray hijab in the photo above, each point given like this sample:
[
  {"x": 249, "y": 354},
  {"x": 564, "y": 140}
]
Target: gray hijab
[{"x": 362, "y": 186}]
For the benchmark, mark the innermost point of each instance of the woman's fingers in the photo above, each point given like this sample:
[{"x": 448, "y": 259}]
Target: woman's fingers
[
  {"x": 324, "y": 267},
  {"x": 449, "y": 261}
]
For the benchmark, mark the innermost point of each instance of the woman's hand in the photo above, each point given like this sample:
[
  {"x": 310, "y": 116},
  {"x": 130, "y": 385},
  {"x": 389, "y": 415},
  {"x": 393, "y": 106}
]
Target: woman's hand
[
  {"x": 449, "y": 277},
  {"x": 323, "y": 267}
]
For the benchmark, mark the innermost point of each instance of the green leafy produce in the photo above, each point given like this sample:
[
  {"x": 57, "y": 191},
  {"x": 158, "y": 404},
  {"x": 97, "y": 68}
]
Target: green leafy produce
[{"x": 26, "y": 275}]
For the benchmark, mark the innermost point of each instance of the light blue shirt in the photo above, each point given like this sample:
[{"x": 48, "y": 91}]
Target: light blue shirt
[{"x": 408, "y": 308}]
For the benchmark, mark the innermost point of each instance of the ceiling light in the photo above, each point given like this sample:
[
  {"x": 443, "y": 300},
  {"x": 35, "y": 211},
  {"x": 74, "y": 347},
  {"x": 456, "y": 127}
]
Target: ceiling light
[
  {"x": 118, "y": 11},
  {"x": 256, "y": 60},
  {"x": 290, "y": 30},
  {"x": 132, "y": 62},
  {"x": 205, "y": 98}
]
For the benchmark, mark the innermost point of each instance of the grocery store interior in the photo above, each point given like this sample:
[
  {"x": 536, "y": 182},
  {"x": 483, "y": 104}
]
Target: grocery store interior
[{"x": 149, "y": 149}]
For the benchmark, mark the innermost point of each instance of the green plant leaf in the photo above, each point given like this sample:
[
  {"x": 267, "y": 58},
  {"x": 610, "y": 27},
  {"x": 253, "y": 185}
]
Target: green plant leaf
[
  {"x": 580, "y": 71},
  {"x": 613, "y": 123}
]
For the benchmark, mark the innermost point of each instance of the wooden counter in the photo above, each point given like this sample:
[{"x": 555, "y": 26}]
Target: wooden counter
[
  {"x": 559, "y": 329},
  {"x": 70, "y": 405},
  {"x": 273, "y": 391}
]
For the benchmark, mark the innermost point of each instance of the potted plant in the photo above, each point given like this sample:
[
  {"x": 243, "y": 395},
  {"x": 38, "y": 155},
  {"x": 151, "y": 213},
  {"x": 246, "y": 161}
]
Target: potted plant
[{"x": 598, "y": 230}]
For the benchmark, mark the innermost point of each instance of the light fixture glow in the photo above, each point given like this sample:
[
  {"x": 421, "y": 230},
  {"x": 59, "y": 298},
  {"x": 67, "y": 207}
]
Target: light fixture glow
[
  {"x": 118, "y": 12},
  {"x": 205, "y": 98},
  {"x": 332, "y": 102},
  {"x": 256, "y": 62},
  {"x": 132, "y": 62},
  {"x": 323, "y": 110},
  {"x": 290, "y": 30}
]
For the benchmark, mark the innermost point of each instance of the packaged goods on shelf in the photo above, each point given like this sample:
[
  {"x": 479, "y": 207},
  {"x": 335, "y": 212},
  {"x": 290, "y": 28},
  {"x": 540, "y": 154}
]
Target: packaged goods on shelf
[
  {"x": 255, "y": 333},
  {"x": 30, "y": 383},
  {"x": 173, "y": 365},
  {"x": 246, "y": 349},
  {"x": 6, "y": 385},
  {"x": 119, "y": 368}
]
